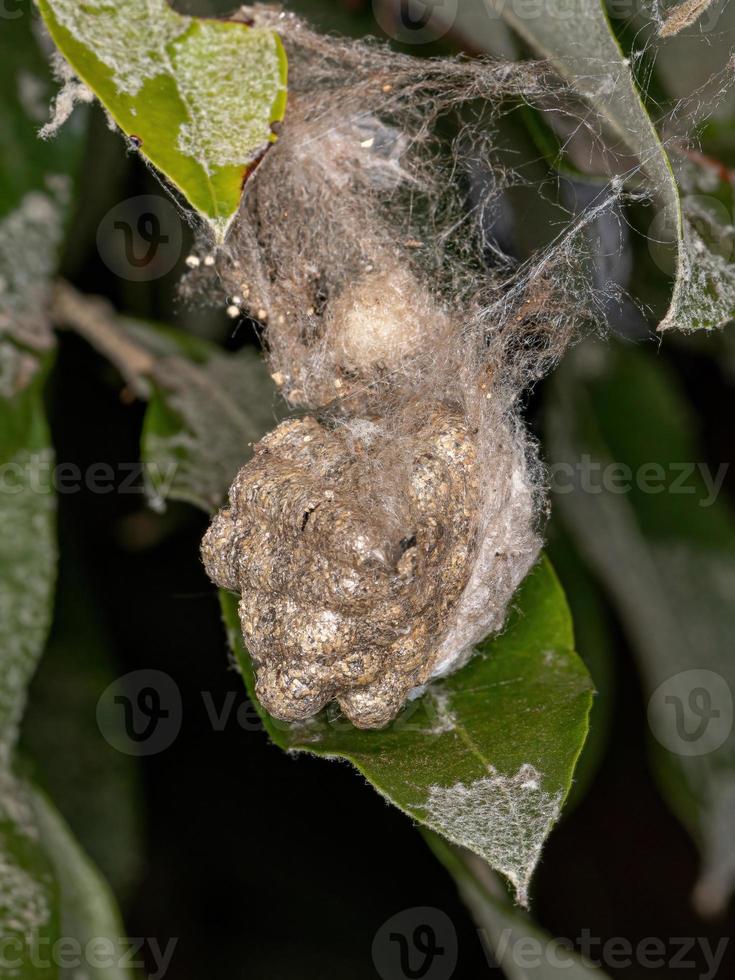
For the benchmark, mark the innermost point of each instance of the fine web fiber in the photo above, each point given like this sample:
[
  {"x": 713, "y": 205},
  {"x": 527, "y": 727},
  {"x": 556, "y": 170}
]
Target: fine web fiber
[{"x": 380, "y": 536}]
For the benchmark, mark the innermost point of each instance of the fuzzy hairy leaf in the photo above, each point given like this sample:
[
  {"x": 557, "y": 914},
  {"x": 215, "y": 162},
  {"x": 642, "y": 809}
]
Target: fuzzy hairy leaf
[
  {"x": 46, "y": 887},
  {"x": 29, "y": 894},
  {"x": 27, "y": 163},
  {"x": 486, "y": 756},
  {"x": 205, "y": 409},
  {"x": 579, "y": 42},
  {"x": 42, "y": 881},
  {"x": 197, "y": 96},
  {"x": 62, "y": 736},
  {"x": 27, "y": 550},
  {"x": 664, "y": 550},
  {"x": 89, "y": 916},
  {"x": 51, "y": 893},
  {"x": 35, "y": 191}
]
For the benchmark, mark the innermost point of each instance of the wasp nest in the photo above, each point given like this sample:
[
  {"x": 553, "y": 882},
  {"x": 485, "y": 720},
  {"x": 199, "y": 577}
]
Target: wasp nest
[
  {"x": 350, "y": 584},
  {"x": 376, "y": 540}
]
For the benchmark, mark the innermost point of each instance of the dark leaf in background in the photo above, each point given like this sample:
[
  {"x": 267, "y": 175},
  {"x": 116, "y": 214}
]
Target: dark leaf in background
[
  {"x": 664, "y": 549},
  {"x": 205, "y": 411},
  {"x": 579, "y": 42}
]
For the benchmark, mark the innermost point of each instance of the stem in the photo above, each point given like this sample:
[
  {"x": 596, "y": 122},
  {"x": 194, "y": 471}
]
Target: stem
[{"x": 95, "y": 319}]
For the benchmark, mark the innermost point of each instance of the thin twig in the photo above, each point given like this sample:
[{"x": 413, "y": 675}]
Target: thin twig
[
  {"x": 682, "y": 16},
  {"x": 93, "y": 318}
]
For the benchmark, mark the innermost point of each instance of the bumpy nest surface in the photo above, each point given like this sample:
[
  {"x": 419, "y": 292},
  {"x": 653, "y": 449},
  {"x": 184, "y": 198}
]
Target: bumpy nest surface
[
  {"x": 347, "y": 585},
  {"x": 341, "y": 598}
]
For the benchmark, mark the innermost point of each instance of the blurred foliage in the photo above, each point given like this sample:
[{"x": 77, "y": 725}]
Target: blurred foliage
[
  {"x": 95, "y": 787},
  {"x": 48, "y": 889},
  {"x": 27, "y": 162},
  {"x": 505, "y": 928},
  {"x": 645, "y": 513}
]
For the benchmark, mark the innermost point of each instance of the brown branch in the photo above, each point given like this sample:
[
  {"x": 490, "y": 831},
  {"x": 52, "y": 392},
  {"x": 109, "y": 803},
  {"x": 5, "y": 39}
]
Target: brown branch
[{"x": 95, "y": 319}]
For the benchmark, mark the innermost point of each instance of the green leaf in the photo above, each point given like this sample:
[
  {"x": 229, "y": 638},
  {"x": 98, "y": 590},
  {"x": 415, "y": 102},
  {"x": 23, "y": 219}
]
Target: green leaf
[
  {"x": 27, "y": 550},
  {"x": 198, "y": 96},
  {"x": 665, "y": 551},
  {"x": 206, "y": 409},
  {"x": 29, "y": 895},
  {"x": 34, "y": 196},
  {"x": 61, "y": 734},
  {"x": 50, "y": 893},
  {"x": 28, "y": 563},
  {"x": 578, "y": 40},
  {"x": 504, "y": 930},
  {"x": 90, "y": 920},
  {"x": 35, "y": 191},
  {"x": 486, "y": 756},
  {"x": 27, "y": 163},
  {"x": 42, "y": 885},
  {"x": 593, "y": 632}
]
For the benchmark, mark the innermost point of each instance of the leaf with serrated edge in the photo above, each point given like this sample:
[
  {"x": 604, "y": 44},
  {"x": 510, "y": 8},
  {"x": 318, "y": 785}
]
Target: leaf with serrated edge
[
  {"x": 197, "y": 96},
  {"x": 486, "y": 756}
]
